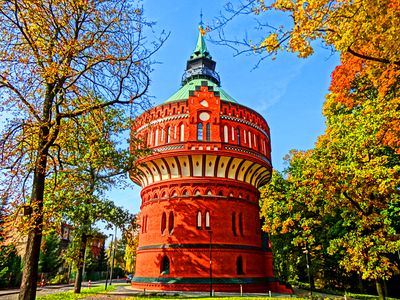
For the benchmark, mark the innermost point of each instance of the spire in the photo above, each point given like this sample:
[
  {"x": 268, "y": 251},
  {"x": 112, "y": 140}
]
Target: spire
[
  {"x": 201, "y": 47},
  {"x": 200, "y": 63}
]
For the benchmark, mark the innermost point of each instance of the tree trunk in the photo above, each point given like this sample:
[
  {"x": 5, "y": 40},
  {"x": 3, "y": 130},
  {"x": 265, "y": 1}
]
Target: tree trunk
[
  {"x": 81, "y": 257},
  {"x": 31, "y": 258},
  {"x": 379, "y": 289}
]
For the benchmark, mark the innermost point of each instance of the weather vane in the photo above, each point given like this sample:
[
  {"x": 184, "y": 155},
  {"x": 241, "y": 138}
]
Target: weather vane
[{"x": 201, "y": 18}]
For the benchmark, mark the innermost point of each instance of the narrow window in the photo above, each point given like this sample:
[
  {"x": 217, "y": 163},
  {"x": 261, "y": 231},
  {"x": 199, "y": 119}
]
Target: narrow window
[
  {"x": 233, "y": 133},
  {"x": 171, "y": 222},
  {"x": 165, "y": 265},
  {"x": 143, "y": 224},
  {"x": 239, "y": 266},
  {"x": 156, "y": 138},
  {"x": 225, "y": 134},
  {"x": 244, "y": 136},
  {"x": 207, "y": 220},
  {"x": 198, "y": 220},
  {"x": 151, "y": 138},
  {"x": 208, "y": 132},
  {"x": 168, "y": 134},
  {"x": 241, "y": 224},
  {"x": 255, "y": 141},
  {"x": 182, "y": 134},
  {"x": 175, "y": 130},
  {"x": 146, "y": 226},
  {"x": 163, "y": 222},
  {"x": 162, "y": 134},
  {"x": 249, "y": 139},
  {"x": 238, "y": 135},
  {"x": 200, "y": 131},
  {"x": 234, "y": 223}
]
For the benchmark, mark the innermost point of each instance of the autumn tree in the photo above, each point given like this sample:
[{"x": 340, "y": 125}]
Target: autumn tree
[
  {"x": 131, "y": 239},
  {"x": 57, "y": 59},
  {"x": 93, "y": 160}
]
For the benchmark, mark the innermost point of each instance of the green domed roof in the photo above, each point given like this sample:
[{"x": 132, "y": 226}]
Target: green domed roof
[{"x": 184, "y": 91}]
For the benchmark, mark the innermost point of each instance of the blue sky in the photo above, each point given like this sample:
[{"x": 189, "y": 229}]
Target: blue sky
[{"x": 288, "y": 92}]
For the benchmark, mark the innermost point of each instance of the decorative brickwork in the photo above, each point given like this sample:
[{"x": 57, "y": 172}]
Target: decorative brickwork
[{"x": 200, "y": 191}]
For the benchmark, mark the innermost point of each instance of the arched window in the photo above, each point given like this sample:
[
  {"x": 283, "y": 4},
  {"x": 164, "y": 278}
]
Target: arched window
[
  {"x": 208, "y": 132},
  {"x": 200, "y": 131},
  {"x": 225, "y": 134},
  {"x": 207, "y": 220},
  {"x": 238, "y": 135},
  {"x": 241, "y": 224},
  {"x": 151, "y": 138},
  {"x": 163, "y": 222},
  {"x": 198, "y": 221},
  {"x": 156, "y": 138},
  {"x": 168, "y": 135},
  {"x": 165, "y": 265},
  {"x": 239, "y": 266},
  {"x": 244, "y": 137},
  {"x": 182, "y": 133},
  {"x": 171, "y": 222},
  {"x": 234, "y": 224},
  {"x": 175, "y": 130},
  {"x": 249, "y": 139},
  {"x": 233, "y": 133},
  {"x": 143, "y": 224},
  {"x": 146, "y": 226}
]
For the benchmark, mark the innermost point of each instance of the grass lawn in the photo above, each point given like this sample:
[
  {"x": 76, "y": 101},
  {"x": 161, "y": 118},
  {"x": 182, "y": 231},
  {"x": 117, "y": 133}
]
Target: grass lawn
[{"x": 86, "y": 292}]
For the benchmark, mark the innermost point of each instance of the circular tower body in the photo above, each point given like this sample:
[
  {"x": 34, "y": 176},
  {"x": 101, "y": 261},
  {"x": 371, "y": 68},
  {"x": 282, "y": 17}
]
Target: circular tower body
[{"x": 200, "y": 225}]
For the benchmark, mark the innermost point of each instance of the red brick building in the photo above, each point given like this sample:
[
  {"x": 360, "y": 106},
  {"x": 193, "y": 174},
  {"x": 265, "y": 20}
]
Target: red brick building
[{"x": 200, "y": 224}]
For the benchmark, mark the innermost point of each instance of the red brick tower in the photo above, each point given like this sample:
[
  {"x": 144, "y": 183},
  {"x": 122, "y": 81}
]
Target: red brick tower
[{"x": 200, "y": 224}]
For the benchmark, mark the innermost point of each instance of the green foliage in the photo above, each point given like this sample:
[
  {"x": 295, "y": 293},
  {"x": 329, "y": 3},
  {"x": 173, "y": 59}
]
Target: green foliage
[
  {"x": 10, "y": 267},
  {"x": 49, "y": 258}
]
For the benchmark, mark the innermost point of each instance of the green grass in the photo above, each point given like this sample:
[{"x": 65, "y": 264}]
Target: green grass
[
  {"x": 158, "y": 297},
  {"x": 69, "y": 295}
]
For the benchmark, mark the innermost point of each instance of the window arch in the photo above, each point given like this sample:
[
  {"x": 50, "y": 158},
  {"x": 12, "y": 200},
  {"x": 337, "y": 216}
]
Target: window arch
[
  {"x": 208, "y": 132},
  {"x": 200, "y": 131},
  {"x": 171, "y": 222},
  {"x": 239, "y": 266},
  {"x": 163, "y": 222},
  {"x": 198, "y": 220},
  {"x": 225, "y": 134},
  {"x": 207, "y": 220},
  {"x": 238, "y": 135},
  {"x": 165, "y": 265},
  {"x": 234, "y": 224}
]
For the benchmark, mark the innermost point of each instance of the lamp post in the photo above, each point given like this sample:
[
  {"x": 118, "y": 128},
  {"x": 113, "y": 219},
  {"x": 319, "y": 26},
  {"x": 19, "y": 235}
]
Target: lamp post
[
  {"x": 113, "y": 255},
  {"x": 308, "y": 270},
  {"x": 112, "y": 239},
  {"x": 210, "y": 233}
]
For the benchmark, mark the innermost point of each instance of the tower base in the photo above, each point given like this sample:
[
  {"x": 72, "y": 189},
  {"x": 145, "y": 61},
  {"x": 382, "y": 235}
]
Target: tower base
[{"x": 232, "y": 285}]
